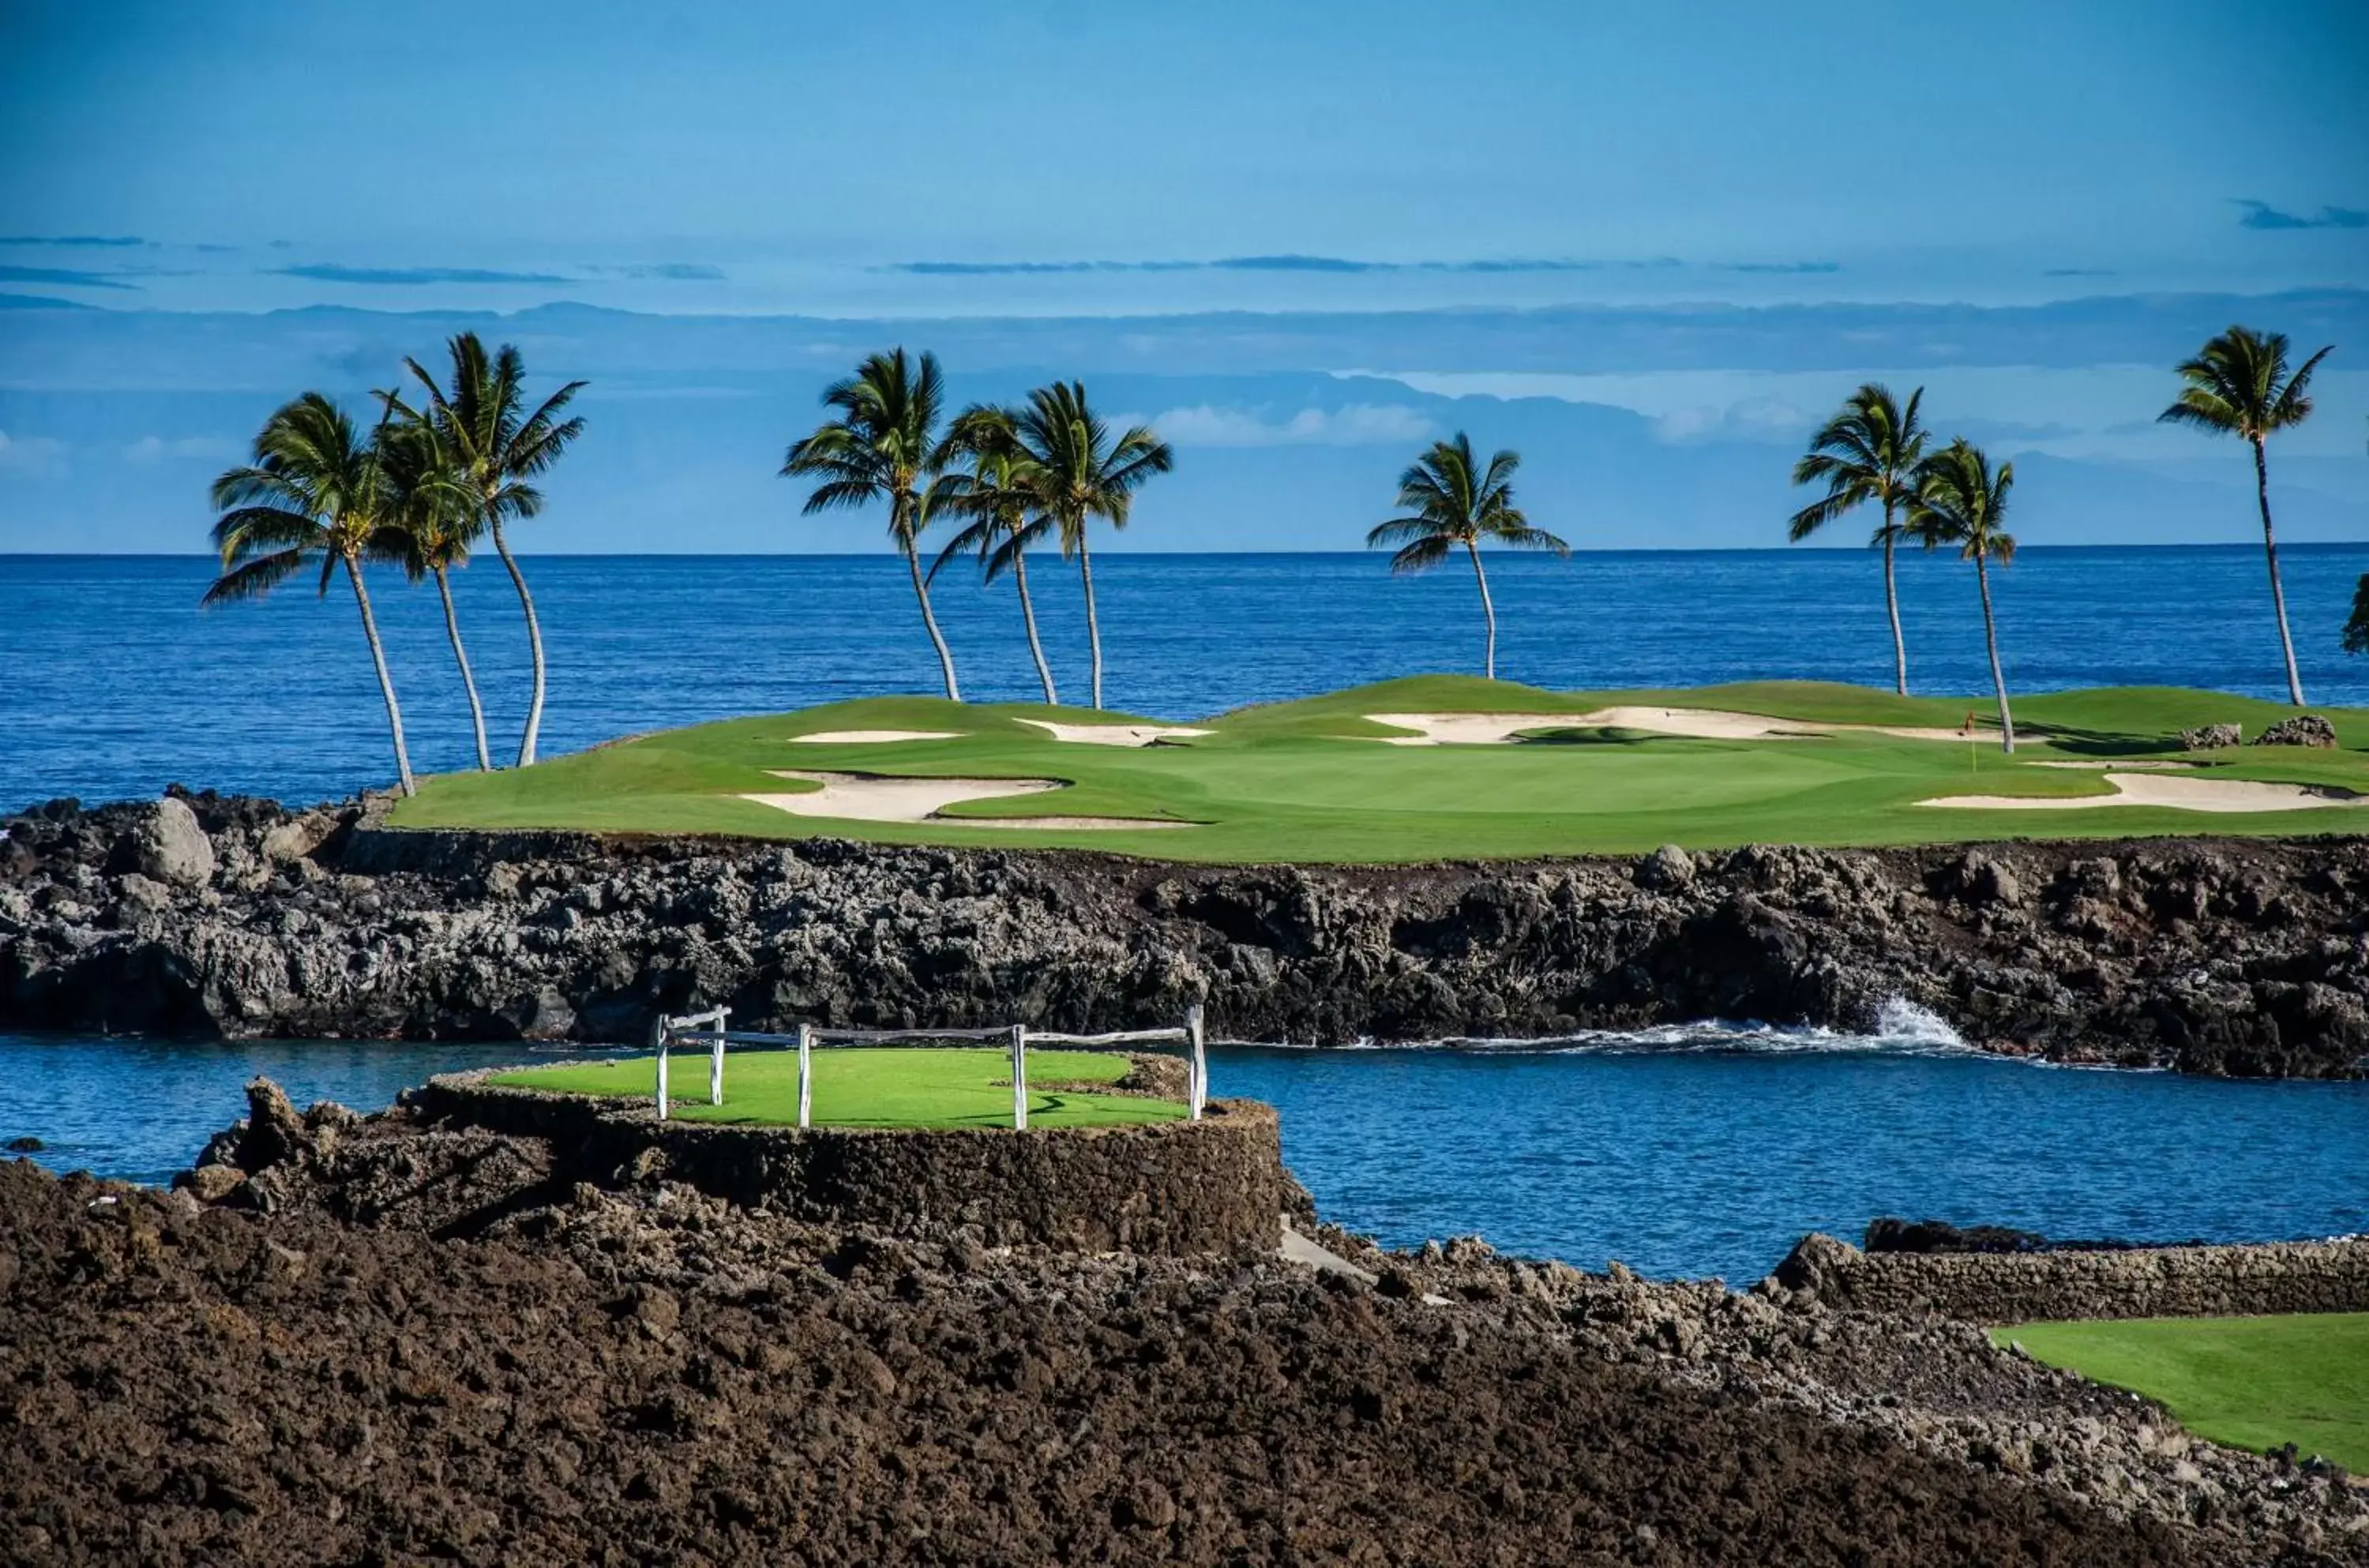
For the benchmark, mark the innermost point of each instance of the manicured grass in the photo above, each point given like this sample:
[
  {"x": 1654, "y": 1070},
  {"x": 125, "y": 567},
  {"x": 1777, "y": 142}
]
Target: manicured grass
[
  {"x": 2249, "y": 1382},
  {"x": 856, "y": 1086},
  {"x": 1305, "y": 781}
]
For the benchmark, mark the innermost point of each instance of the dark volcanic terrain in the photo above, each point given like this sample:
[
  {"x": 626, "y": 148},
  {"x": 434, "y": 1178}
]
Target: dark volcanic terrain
[
  {"x": 387, "y": 1341},
  {"x": 206, "y": 915}
]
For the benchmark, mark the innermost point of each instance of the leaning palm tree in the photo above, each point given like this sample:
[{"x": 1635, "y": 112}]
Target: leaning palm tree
[
  {"x": 1451, "y": 501},
  {"x": 315, "y": 489},
  {"x": 2238, "y": 385},
  {"x": 482, "y": 420},
  {"x": 993, "y": 494},
  {"x": 1868, "y": 451},
  {"x": 435, "y": 509},
  {"x": 884, "y": 446},
  {"x": 1960, "y": 501},
  {"x": 1074, "y": 473}
]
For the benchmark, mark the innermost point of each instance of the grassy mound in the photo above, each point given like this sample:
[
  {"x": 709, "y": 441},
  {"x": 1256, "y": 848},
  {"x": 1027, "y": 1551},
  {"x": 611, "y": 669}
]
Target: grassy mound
[
  {"x": 889, "y": 1087},
  {"x": 1310, "y": 780},
  {"x": 2249, "y": 1383}
]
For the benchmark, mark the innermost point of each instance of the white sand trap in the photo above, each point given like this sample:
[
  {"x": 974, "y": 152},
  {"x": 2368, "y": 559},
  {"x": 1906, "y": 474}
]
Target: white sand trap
[
  {"x": 2178, "y": 794},
  {"x": 1114, "y": 734},
  {"x": 862, "y": 797},
  {"x": 868, "y": 737},
  {"x": 1700, "y": 724},
  {"x": 1470, "y": 729}
]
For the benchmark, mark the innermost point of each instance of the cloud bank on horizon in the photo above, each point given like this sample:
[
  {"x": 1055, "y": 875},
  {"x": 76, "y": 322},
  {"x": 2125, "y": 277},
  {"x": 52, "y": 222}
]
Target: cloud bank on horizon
[{"x": 1669, "y": 231}]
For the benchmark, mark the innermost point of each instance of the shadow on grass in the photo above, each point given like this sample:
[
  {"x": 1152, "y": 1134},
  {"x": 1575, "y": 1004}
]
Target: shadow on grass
[{"x": 2099, "y": 742}]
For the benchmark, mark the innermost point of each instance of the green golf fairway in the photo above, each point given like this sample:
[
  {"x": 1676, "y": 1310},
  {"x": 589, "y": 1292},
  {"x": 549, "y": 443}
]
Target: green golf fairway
[
  {"x": 1312, "y": 780},
  {"x": 884, "y": 1087},
  {"x": 2249, "y": 1383}
]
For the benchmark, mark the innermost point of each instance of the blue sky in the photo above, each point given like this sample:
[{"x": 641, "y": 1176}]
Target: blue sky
[
  {"x": 1654, "y": 242},
  {"x": 795, "y": 157}
]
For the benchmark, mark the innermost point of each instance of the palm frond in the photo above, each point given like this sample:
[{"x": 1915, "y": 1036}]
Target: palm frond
[
  {"x": 254, "y": 578},
  {"x": 1422, "y": 555}
]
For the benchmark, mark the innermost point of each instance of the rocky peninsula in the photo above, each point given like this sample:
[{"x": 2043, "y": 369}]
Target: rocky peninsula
[
  {"x": 404, "y": 1338},
  {"x": 228, "y": 916}
]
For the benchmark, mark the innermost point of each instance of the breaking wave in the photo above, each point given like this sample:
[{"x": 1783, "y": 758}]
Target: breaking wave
[{"x": 1902, "y": 1029}]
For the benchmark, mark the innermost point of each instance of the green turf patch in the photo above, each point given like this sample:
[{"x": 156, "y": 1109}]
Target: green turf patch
[
  {"x": 2254, "y": 1383},
  {"x": 1310, "y": 780},
  {"x": 859, "y": 1086}
]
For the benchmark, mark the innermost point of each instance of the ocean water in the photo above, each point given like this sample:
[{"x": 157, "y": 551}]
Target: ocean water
[
  {"x": 1700, "y": 1151},
  {"x": 113, "y": 684},
  {"x": 1681, "y": 1151}
]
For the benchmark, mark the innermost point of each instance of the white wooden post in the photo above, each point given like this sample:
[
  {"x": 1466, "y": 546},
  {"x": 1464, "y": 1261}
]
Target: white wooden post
[
  {"x": 1196, "y": 1080},
  {"x": 659, "y": 1032},
  {"x": 806, "y": 1073},
  {"x": 715, "y": 1057},
  {"x": 1019, "y": 1077}
]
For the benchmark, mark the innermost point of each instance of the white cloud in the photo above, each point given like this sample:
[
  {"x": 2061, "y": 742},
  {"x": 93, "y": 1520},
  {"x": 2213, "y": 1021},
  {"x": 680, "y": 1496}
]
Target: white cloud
[
  {"x": 1358, "y": 424},
  {"x": 156, "y": 448},
  {"x": 1762, "y": 418},
  {"x": 33, "y": 454}
]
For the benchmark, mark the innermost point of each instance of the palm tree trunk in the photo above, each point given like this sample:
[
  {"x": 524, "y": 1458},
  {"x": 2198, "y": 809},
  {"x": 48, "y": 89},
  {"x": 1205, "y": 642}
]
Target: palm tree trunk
[
  {"x": 921, "y": 592},
  {"x": 1093, "y": 623},
  {"x": 468, "y": 680},
  {"x": 1488, "y": 609},
  {"x": 2278, "y": 594},
  {"x": 1892, "y": 606},
  {"x": 1990, "y": 636},
  {"x": 534, "y": 639},
  {"x": 1028, "y": 618},
  {"x": 385, "y": 682}
]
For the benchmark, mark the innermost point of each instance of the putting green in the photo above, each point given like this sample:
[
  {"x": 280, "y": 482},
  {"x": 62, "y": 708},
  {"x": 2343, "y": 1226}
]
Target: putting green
[
  {"x": 2249, "y": 1382},
  {"x": 859, "y": 1086},
  {"x": 1312, "y": 781}
]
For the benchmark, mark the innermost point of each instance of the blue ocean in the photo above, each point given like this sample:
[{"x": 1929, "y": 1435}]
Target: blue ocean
[
  {"x": 1692, "y": 1150},
  {"x": 113, "y": 683}
]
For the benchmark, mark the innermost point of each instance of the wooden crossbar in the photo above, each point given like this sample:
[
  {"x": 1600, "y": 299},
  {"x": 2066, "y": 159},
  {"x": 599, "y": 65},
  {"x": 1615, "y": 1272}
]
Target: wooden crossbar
[{"x": 685, "y": 1030}]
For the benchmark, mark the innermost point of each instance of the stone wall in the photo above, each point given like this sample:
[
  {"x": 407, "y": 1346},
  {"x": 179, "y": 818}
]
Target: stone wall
[
  {"x": 2151, "y": 1282},
  {"x": 1212, "y": 1186}
]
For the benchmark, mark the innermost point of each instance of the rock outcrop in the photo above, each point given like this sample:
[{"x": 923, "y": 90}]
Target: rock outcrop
[
  {"x": 2304, "y": 729},
  {"x": 2243, "y": 956},
  {"x": 2213, "y": 737}
]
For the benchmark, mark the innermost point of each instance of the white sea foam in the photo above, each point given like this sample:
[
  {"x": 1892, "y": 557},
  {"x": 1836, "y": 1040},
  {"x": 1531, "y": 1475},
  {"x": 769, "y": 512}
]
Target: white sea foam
[{"x": 1902, "y": 1029}]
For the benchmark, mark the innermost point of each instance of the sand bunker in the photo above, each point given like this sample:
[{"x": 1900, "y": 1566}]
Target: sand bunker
[
  {"x": 1114, "y": 734},
  {"x": 862, "y": 797},
  {"x": 2178, "y": 794},
  {"x": 868, "y": 737},
  {"x": 1702, "y": 724}
]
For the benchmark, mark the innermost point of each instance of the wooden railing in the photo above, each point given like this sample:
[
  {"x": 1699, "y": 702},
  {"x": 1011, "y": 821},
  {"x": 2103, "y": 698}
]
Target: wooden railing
[{"x": 709, "y": 1029}]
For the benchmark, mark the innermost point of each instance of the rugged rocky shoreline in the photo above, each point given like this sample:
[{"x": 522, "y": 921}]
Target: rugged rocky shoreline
[
  {"x": 390, "y": 1339},
  {"x": 229, "y": 916}
]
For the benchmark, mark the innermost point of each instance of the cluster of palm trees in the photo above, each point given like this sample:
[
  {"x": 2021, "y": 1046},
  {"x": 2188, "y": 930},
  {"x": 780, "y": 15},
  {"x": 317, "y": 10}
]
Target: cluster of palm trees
[
  {"x": 436, "y": 476},
  {"x": 1008, "y": 477},
  {"x": 421, "y": 488},
  {"x": 1874, "y": 452}
]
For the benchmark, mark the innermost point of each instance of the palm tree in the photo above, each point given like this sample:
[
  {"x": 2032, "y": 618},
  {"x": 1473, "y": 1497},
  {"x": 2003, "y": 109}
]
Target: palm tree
[
  {"x": 1868, "y": 451},
  {"x": 315, "y": 489},
  {"x": 2356, "y": 628},
  {"x": 1960, "y": 501},
  {"x": 2238, "y": 385},
  {"x": 436, "y": 510},
  {"x": 1450, "y": 505},
  {"x": 884, "y": 446},
  {"x": 1074, "y": 473},
  {"x": 499, "y": 447},
  {"x": 994, "y": 495}
]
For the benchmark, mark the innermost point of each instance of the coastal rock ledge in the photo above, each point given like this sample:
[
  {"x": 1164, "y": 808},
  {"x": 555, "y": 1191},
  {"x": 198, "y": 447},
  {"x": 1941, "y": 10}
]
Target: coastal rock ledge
[{"x": 2238, "y": 956}]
